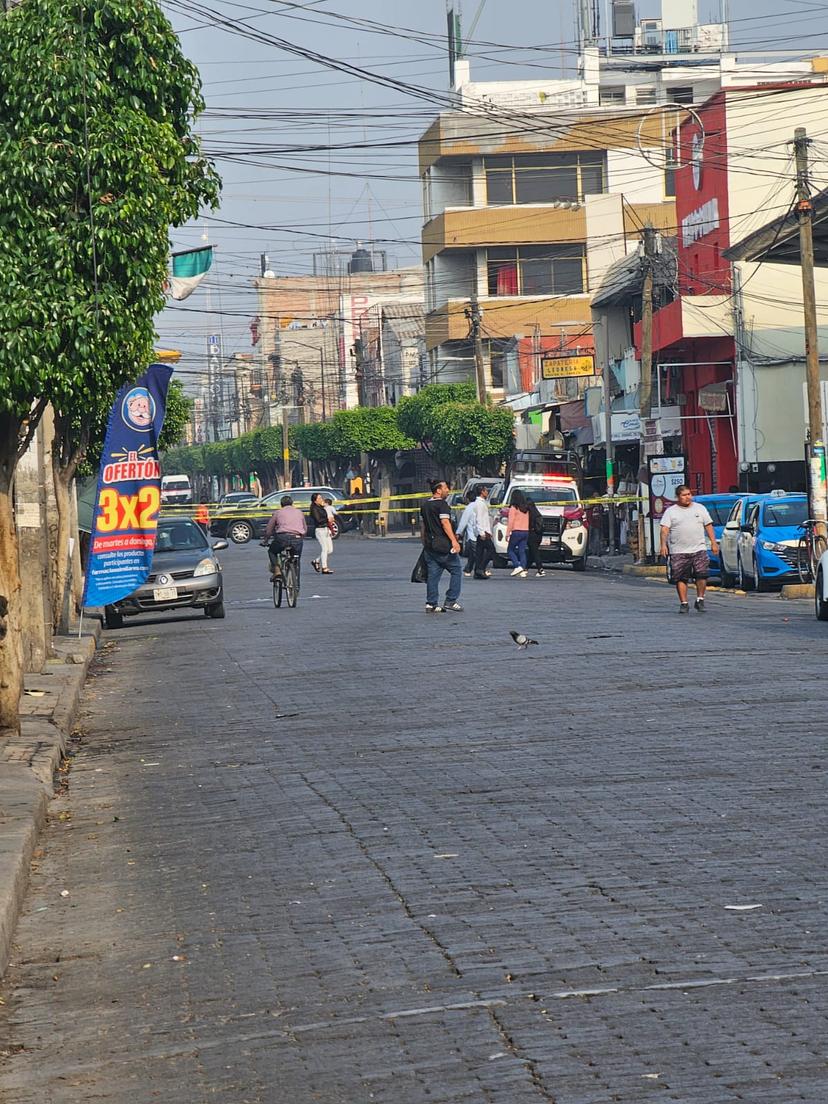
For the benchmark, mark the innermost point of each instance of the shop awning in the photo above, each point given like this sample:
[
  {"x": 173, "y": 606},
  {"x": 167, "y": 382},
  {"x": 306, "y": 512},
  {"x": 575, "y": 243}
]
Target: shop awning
[{"x": 778, "y": 240}]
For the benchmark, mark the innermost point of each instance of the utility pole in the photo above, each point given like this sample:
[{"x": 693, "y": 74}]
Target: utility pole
[
  {"x": 610, "y": 451},
  {"x": 285, "y": 447},
  {"x": 645, "y": 387},
  {"x": 475, "y": 318},
  {"x": 322, "y": 372},
  {"x": 805, "y": 214}
]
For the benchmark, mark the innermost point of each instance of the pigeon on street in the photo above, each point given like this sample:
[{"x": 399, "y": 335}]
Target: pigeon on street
[{"x": 521, "y": 639}]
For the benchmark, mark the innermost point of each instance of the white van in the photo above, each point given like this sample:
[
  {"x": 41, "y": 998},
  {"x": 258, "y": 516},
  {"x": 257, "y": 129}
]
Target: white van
[{"x": 176, "y": 490}]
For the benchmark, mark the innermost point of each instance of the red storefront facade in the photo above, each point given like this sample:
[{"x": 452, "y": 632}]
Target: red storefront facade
[{"x": 693, "y": 344}]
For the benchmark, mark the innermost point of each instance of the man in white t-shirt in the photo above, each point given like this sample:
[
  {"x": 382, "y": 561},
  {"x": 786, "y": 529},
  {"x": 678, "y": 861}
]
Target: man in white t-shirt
[{"x": 685, "y": 529}]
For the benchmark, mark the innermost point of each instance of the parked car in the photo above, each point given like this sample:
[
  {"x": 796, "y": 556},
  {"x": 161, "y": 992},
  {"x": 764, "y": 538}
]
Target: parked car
[
  {"x": 248, "y": 520},
  {"x": 184, "y": 574},
  {"x": 821, "y": 589},
  {"x": 475, "y": 483},
  {"x": 176, "y": 490},
  {"x": 233, "y": 498},
  {"x": 768, "y": 541},
  {"x": 729, "y": 537},
  {"x": 565, "y": 529},
  {"x": 719, "y": 506}
]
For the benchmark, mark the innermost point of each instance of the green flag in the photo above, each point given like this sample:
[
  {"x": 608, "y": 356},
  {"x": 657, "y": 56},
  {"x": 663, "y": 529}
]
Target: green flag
[{"x": 189, "y": 269}]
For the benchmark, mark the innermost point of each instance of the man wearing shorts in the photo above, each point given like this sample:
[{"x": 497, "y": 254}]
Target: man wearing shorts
[{"x": 683, "y": 529}]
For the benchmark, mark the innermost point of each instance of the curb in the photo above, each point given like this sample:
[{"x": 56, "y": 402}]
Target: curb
[
  {"x": 797, "y": 590},
  {"x": 50, "y": 703}
]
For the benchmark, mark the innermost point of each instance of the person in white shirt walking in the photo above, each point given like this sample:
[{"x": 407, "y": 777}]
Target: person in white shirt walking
[
  {"x": 485, "y": 544},
  {"x": 685, "y": 528},
  {"x": 467, "y": 527}
]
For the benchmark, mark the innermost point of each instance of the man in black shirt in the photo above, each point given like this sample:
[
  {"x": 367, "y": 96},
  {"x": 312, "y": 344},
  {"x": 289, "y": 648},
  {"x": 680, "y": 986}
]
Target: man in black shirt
[{"x": 442, "y": 549}]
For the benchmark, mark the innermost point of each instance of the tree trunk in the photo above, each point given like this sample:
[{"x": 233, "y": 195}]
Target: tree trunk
[
  {"x": 66, "y": 455},
  {"x": 11, "y": 655},
  {"x": 77, "y": 566}
]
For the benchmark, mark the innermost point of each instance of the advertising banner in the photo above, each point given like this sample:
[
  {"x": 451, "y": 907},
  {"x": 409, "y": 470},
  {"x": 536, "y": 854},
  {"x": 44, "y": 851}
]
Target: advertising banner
[
  {"x": 567, "y": 367},
  {"x": 128, "y": 497}
]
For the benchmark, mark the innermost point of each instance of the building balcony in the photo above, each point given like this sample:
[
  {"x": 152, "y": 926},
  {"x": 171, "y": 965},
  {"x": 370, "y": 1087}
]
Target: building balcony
[
  {"x": 690, "y": 317},
  {"x": 471, "y": 227}
]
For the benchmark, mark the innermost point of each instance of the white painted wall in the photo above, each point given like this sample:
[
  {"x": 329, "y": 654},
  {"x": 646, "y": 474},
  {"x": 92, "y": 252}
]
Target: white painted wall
[
  {"x": 605, "y": 235},
  {"x": 630, "y": 174}
]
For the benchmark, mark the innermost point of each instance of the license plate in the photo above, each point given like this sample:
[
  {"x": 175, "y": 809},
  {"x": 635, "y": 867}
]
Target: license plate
[
  {"x": 547, "y": 542},
  {"x": 165, "y": 594}
]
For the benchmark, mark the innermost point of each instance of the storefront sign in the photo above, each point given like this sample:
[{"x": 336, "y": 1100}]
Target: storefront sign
[
  {"x": 565, "y": 367},
  {"x": 700, "y": 222},
  {"x": 666, "y": 474},
  {"x": 128, "y": 498}
]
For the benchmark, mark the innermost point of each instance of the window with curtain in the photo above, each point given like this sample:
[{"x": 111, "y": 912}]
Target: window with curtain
[
  {"x": 545, "y": 178},
  {"x": 558, "y": 269}
]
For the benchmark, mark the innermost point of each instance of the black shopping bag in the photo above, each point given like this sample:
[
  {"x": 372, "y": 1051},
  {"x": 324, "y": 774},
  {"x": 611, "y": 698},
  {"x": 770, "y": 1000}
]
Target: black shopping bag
[{"x": 420, "y": 572}]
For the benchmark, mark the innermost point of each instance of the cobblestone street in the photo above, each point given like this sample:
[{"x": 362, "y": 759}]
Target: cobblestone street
[{"x": 351, "y": 853}]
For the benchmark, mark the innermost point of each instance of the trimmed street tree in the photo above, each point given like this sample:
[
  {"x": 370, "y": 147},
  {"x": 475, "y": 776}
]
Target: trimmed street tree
[
  {"x": 473, "y": 434},
  {"x": 97, "y": 160},
  {"x": 416, "y": 414}
]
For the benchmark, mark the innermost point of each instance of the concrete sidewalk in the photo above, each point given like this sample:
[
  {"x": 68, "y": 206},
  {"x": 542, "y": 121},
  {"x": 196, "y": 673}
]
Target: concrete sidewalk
[{"x": 28, "y": 763}]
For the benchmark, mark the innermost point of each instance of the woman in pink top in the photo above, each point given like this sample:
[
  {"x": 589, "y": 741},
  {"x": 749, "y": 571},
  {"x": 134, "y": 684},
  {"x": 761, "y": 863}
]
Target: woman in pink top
[{"x": 517, "y": 530}]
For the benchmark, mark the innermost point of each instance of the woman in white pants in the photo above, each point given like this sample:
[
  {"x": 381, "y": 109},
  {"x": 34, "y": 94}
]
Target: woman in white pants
[{"x": 322, "y": 532}]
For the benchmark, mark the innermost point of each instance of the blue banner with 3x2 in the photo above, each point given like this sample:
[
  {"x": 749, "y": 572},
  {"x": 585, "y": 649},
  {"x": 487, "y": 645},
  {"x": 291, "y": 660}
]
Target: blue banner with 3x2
[{"x": 128, "y": 498}]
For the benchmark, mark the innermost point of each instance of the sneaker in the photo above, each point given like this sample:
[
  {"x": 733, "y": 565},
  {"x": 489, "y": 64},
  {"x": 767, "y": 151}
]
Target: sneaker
[
  {"x": 540, "y": 574},
  {"x": 453, "y": 607},
  {"x": 316, "y": 565},
  {"x": 467, "y": 574},
  {"x": 517, "y": 571},
  {"x": 684, "y": 607},
  {"x": 486, "y": 576},
  {"x": 698, "y": 606},
  {"x": 434, "y": 609}
]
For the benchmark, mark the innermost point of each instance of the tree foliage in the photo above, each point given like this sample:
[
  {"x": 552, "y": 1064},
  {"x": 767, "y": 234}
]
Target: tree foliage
[
  {"x": 416, "y": 413},
  {"x": 366, "y": 429},
  {"x": 97, "y": 161},
  {"x": 472, "y": 434}
]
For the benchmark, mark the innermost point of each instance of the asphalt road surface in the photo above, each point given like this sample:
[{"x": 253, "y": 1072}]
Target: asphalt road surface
[{"x": 351, "y": 853}]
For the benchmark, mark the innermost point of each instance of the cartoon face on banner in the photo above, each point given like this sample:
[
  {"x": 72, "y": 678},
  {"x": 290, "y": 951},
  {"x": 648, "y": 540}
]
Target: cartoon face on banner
[{"x": 138, "y": 409}]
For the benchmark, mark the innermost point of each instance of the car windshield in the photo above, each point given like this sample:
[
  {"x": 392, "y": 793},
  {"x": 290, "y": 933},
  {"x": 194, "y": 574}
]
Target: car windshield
[
  {"x": 719, "y": 511},
  {"x": 179, "y": 535},
  {"x": 791, "y": 512},
  {"x": 549, "y": 493},
  {"x": 239, "y": 497},
  {"x": 175, "y": 481}
]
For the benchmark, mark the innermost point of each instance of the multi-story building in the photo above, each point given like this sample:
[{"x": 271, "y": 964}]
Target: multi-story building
[
  {"x": 313, "y": 324},
  {"x": 533, "y": 188},
  {"x": 731, "y": 343}
]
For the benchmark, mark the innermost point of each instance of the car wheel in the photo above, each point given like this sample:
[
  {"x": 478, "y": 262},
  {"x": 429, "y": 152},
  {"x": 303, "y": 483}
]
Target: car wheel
[
  {"x": 216, "y": 611},
  {"x": 580, "y": 564},
  {"x": 745, "y": 582},
  {"x": 335, "y": 530},
  {"x": 820, "y": 605},
  {"x": 113, "y": 619},
  {"x": 240, "y": 532},
  {"x": 760, "y": 584}
]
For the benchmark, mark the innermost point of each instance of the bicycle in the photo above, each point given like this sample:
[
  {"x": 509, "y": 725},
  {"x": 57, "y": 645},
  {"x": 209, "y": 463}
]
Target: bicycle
[
  {"x": 286, "y": 578},
  {"x": 809, "y": 550}
]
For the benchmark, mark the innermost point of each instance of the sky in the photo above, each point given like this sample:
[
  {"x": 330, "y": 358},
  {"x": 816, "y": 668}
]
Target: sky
[{"x": 310, "y": 154}]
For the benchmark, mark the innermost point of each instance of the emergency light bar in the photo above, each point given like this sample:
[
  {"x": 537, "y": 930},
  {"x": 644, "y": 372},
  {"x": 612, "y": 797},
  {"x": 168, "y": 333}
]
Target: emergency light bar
[{"x": 537, "y": 480}]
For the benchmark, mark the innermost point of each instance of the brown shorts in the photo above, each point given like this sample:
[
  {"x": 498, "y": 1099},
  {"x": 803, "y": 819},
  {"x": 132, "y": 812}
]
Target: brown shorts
[{"x": 685, "y": 566}]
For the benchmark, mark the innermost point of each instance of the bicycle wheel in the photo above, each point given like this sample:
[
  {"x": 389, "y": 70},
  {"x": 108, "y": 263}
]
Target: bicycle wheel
[
  {"x": 292, "y": 583},
  {"x": 803, "y": 558}
]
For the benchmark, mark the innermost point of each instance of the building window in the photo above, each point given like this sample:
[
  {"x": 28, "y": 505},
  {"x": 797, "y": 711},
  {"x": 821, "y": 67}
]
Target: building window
[
  {"x": 646, "y": 95},
  {"x": 546, "y": 178},
  {"x": 680, "y": 93},
  {"x": 612, "y": 94},
  {"x": 537, "y": 270},
  {"x": 670, "y": 166}
]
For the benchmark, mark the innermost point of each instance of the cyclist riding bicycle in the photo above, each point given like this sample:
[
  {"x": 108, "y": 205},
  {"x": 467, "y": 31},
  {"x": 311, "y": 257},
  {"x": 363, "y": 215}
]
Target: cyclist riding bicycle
[{"x": 287, "y": 528}]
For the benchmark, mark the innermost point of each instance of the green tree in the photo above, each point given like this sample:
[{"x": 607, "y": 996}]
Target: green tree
[
  {"x": 471, "y": 433},
  {"x": 366, "y": 429},
  {"x": 313, "y": 440},
  {"x": 97, "y": 160},
  {"x": 416, "y": 413}
]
